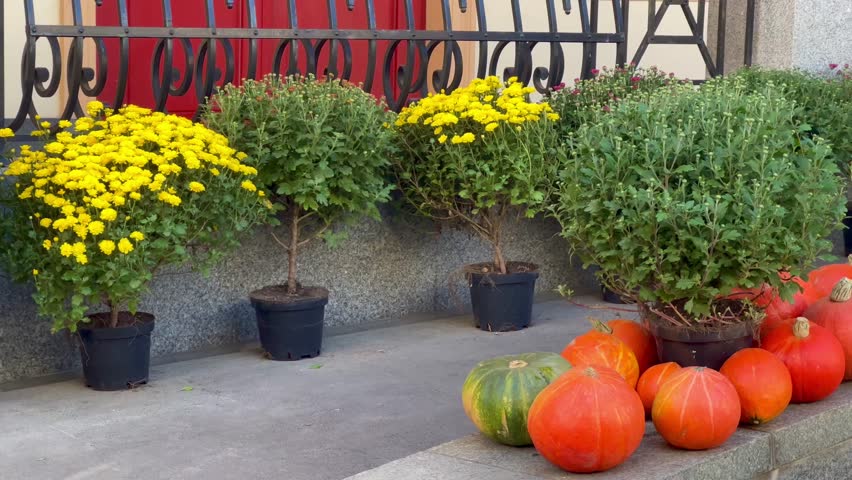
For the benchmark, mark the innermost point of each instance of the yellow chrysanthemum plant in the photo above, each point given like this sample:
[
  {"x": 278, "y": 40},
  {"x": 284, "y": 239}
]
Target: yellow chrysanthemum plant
[
  {"x": 477, "y": 155},
  {"x": 109, "y": 199}
]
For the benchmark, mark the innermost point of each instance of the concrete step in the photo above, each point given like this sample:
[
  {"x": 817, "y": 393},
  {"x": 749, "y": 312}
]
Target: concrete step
[{"x": 807, "y": 442}]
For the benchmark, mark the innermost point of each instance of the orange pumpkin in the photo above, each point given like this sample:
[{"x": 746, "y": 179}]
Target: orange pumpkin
[
  {"x": 696, "y": 408},
  {"x": 602, "y": 349},
  {"x": 650, "y": 381},
  {"x": 823, "y": 280},
  {"x": 637, "y": 337},
  {"x": 778, "y": 310},
  {"x": 835, "y": 314},
  {"x": 763, "y": 384},
  {"x": 587, "y": 420},
  {"x": 812, "y": 354}
]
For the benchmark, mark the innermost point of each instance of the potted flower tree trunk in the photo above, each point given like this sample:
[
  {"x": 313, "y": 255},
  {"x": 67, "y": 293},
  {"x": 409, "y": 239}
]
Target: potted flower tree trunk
[
  {"x": 688, "y": 196},
  {"x": 91, "y": 216},
  {"x": 321, "y": 147},
  {"x": 476, "y": 158}
]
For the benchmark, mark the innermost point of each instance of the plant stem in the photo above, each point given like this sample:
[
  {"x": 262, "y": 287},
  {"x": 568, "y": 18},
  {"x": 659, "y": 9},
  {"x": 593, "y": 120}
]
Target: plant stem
[
  {"x": 292, "y": 286},
  {"x": 499, "y": 261},
  {"x": 495, "y": 225},
  {"x": 113, "y": 314}
]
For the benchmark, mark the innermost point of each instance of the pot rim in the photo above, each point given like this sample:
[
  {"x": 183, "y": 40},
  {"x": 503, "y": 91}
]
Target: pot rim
[
  {"x": 689, "y": 335},
  {"x": 494, "y": 278},
  {"x": 301, "y": 302},
  {"x": 144, "y": 326}
]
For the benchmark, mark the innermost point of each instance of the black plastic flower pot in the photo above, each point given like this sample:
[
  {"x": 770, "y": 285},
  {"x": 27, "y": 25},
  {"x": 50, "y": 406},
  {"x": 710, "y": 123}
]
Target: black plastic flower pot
[
  {"x": 117, "y": 358},
  {"x": 700, "y": 348},
  {"x": 609, "y": 296},
  {"x": 290, "y": 326},
  {"x": 502, "y": 302}
]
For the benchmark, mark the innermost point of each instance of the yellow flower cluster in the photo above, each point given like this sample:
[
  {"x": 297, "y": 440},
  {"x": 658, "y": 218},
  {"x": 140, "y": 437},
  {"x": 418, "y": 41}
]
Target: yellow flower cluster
[
  {"x": 87, "y": 184},
  {"x": 468, "y": 113}
]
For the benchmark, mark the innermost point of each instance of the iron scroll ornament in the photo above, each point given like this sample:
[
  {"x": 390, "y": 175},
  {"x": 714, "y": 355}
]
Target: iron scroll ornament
[{"x": 408, "y": 62}]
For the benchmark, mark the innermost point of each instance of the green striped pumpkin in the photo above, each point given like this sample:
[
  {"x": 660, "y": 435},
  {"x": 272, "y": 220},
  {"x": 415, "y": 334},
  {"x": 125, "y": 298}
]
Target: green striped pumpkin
[{"x": 498, "y": 393}]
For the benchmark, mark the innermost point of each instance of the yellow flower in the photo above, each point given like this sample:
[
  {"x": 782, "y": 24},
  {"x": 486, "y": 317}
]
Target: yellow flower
[
  {"x": 81, "y": 231},
  {"x": 138, "y": 236},
  {"x": 35, "y": 272},
  {"x": 196, "y": 187},
  {"x": 466, "y": 138},
  {"x": 124, "y": 246},
  {"x": 64, "y": 124},
  {"x": 47, "y": 244},
  {"x": 45, "y": 222},
  {"x": 169, "y": 198},
  {"x": 66, "y": 250},
  {"x": 108, "y": 214},
  {"x": 491, "y": 127},
  {"x": 45, "y": 124},
  {"x": 442, "y": 139},
  {"x": 6, "y": 133},
  {"x": 107, "y": 246},
  {"x": 96, "y": 227},
  {"x": 82, "y": 259},
  {"x": 79, "y": 248},
  {"x": 94, "y": 108},
  {"x": 248, "y": 185},
  {"x": 261, "y": 193}
]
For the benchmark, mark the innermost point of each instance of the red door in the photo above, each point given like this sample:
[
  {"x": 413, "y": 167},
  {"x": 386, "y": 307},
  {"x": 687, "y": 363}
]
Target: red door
[
  {"x": 390, "y": 15},
  {"x": 186, "y": 13}
]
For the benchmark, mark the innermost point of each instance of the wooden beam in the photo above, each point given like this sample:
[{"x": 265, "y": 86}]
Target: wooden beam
[
  {"x": 66, "y": 17},
  {"x": 461, "y": 21}
]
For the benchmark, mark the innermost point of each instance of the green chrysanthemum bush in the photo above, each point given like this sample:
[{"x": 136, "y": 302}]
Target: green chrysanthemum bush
[
  {"x": 94, "y": 213},
  {"x": 823, "y": 104},
  {"x": 321, "y": 146},
  {"x": 687, "y": 195}
]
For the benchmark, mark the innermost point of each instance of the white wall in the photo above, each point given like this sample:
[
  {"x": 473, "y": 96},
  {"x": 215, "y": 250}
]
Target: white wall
[{"x": 47, "y": 12}]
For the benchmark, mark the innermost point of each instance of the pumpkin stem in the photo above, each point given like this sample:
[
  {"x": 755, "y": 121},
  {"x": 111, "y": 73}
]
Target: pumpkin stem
[
  {"x": 802, "y": 328},
  {"x": 517, "y": 364},
  {"x": 600, "y": 326},
  {"x": 591, "y": 372},
  {"x": 850, "y": 259},
  {"x": 842, "y": 291}
]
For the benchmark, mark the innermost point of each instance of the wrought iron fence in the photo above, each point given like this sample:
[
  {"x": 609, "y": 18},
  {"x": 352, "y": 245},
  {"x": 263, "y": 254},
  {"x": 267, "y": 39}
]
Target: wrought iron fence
[{"x": 410, "y": 65}]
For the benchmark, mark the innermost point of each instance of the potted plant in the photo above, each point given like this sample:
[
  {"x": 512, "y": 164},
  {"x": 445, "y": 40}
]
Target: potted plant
[
  {"x": 473, "y": 158},
  {"x": 688, "y": 195},
  {"x": 321, "y": 147},
  {"x": 92, "y": 216},
  {"x": 587, "y": 99}
]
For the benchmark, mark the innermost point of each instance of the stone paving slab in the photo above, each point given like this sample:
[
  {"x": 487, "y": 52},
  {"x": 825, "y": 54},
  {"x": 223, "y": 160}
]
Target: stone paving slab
[
  {"x": 371, "y": 398},
  {"x": 428, "y": 465},
  {"x": 808, "y": 441},
  {"x": 808, "y": 429}
]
